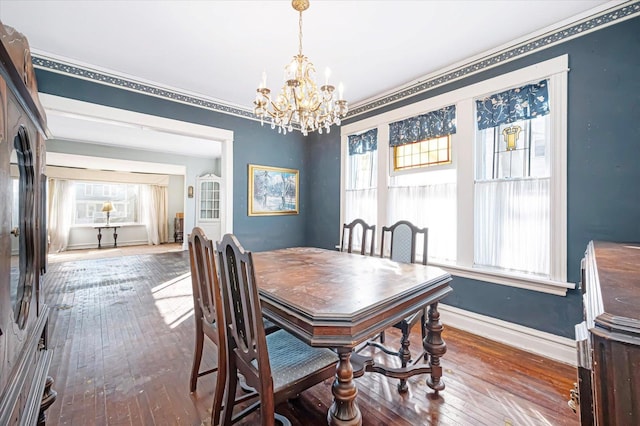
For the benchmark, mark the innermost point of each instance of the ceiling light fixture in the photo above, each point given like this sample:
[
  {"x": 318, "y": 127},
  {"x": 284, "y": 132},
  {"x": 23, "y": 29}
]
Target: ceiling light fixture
[{"x": 300, "y": 103}]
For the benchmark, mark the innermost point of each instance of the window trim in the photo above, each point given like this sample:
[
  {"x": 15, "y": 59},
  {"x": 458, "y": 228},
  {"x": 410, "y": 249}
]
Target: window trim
[{"x": 463, "y": 158}]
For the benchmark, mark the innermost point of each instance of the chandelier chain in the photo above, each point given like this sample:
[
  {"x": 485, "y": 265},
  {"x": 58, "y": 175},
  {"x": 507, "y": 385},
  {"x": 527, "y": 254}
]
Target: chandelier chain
[{"x": 300, "y": 34}]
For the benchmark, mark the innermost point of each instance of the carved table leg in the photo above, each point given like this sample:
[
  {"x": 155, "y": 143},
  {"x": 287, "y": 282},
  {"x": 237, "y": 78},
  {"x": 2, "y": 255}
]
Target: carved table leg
[
  {"x": 48, "y": 398},
  {"x": 405, "y": 355},
  {"x": 115, "y": 237},
  {"x": 435, "y": 347},
  {"x": 99, "y": 238},
  {"x": 344, "y": 410}
]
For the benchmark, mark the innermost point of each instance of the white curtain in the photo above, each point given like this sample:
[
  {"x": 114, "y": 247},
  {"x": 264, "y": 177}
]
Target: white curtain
[
  {"x": 361, "y": 204},
  {"x": 62, "y": 199},
  {"x": 363, "y": 169},
  {"x": 432, "y": 206},
  {"x": 154, "y": 204},
  {"x": 361, "y": 195},
  {"x": 512, "y": 225}
]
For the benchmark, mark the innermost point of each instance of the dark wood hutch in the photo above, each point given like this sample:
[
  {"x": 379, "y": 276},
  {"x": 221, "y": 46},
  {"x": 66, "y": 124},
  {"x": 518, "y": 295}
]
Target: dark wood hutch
[
  {"x": 608, "y": 340},
  {"x": 25, "y": 388}
]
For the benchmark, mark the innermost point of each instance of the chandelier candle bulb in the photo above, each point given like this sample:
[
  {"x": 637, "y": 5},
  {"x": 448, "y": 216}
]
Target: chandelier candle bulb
[{"x": 300, "y": 102}]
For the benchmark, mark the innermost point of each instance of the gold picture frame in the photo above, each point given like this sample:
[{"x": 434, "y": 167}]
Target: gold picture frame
[{"x": 273, "y": 191}]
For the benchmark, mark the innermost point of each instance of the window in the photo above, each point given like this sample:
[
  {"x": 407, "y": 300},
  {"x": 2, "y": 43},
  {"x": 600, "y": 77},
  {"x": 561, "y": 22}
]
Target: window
[
  {"x": 423, "y": 194},
  {"x": 361, "y": 177},
  {"x": 515, "y": 150},
  {"x": 91, "y": 195},
  {"x": 495, "y": 200},
  {"x": 512, "y": 192},
  {"x": 425, "y": 153}
]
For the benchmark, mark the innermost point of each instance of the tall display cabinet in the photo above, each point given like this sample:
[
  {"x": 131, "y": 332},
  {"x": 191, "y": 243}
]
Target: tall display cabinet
[
  {"x": 25, "y": 388},
  {"x": 208, "y": 205}
]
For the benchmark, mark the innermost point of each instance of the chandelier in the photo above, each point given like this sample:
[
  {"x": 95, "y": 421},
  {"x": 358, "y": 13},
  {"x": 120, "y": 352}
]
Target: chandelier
[{"x": 299, "y": 102}]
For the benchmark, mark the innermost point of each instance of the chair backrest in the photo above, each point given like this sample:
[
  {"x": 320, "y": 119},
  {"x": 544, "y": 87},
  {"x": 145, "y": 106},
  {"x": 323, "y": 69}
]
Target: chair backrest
[
  {"x": 362, "y": 231},
  {"x": 243, "y": 313},
  {"x": 204, "y": 276},
  {"x": 404, "y": 236},
  {"x": 208, "y": 312}
]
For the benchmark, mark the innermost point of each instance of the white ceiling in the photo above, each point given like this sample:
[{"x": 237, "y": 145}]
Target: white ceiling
[{"x": 219, "y": 49}]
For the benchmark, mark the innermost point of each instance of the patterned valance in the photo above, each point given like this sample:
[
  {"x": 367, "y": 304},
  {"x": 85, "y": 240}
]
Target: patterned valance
[
  {"x": 433, "y": 124},
  {"x": 522, "y": 103},
  {"x": 364, "y": 142}
]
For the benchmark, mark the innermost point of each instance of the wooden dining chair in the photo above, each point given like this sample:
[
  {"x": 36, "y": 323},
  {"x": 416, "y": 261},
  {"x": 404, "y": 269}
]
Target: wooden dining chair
[
  {"x": 279, "y": 366},
  {"x": 403, "y": 238},
  {"x": 206, "y": 299},
  {"x": 206, "y": 295},
  {"x": 357, "y": 228}
]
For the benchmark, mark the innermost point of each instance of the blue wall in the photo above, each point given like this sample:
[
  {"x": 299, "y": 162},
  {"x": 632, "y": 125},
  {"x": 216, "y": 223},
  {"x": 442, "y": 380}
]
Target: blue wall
[
  {"x": 323, "y": 218},
  {"x": 603, "y": 172},
  {"x": 253, "y": 144}
]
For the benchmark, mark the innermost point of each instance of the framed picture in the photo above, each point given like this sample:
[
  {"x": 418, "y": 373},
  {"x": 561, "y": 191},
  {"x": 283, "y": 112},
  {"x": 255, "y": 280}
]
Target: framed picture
[{"x": 272, "y": 191}]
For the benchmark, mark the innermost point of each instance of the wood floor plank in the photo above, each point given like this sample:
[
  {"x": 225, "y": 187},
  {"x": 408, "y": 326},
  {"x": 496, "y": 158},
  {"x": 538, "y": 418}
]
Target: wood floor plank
[{"x": 122, "y": 331}]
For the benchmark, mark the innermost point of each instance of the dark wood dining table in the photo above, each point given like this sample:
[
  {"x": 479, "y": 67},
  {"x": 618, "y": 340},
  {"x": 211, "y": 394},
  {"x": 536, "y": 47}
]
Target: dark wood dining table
[{"x": 339, "y": 300}]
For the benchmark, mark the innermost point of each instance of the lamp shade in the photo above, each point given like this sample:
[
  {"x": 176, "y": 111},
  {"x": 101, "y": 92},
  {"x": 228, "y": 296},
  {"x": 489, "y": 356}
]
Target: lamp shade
[{"x": 107, "y": 206}]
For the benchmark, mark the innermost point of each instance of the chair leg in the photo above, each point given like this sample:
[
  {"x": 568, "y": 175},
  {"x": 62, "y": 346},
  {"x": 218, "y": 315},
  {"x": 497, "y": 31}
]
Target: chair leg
[
  {"x": 405, "y": 356},
  {"x": 197, "y": 356},
  {"x": 231, "y": 381},
  {"x": 218, "y": 394},
  {"x": 423, "y": 329},
  {"x": 382, "y": 338},
  {"x": 267, "y": 403}
]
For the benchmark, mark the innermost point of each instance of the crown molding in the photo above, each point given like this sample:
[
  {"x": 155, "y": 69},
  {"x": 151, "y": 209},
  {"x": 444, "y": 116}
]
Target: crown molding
[
  {"x": 86, "y": 72},
  {"x": 596, "y": 20}
]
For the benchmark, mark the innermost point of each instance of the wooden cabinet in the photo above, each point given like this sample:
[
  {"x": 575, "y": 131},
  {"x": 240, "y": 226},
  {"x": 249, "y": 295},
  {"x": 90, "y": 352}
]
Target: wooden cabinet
[
  {"x": 208, "y": 205},
  {"x": 25, "y": 389},
  {"x": 178, "y": 228},
  {"x": 609, "y": 338}
]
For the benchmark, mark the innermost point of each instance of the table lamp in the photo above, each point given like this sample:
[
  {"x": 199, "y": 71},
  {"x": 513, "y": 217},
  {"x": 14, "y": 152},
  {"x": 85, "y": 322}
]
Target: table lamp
[{"x": 107, "y": 207}]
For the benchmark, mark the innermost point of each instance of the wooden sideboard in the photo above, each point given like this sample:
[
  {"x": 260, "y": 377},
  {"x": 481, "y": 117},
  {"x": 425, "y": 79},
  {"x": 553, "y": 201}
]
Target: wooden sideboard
[
  {"x": 608, "y": 339},
  {"x": 25, "y": 388}
]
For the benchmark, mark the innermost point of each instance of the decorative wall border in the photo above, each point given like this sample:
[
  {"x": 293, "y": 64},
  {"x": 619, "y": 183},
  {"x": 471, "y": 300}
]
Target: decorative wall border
[
  {"x": 623, "y": 11},
  {"x": 135, "y": 86}
]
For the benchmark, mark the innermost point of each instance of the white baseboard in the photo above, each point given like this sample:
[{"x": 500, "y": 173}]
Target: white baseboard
[
  {"x": 108, "y": 244},
  {"x": 538, "y": 342}
]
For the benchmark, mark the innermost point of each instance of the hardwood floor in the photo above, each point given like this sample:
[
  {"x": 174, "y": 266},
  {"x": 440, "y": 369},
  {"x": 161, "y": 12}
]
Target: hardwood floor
[{"x": 122, "y": 332}]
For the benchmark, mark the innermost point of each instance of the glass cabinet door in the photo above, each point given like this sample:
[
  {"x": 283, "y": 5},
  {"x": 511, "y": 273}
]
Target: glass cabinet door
[
  {"x": 23, "y": 229},
  {"x": 209, "y": 200}
]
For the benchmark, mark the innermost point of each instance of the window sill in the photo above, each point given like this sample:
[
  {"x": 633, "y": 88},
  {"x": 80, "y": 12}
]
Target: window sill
[
  {"x": 512, "y": 280},
  {"x": 495, "y": 277}
]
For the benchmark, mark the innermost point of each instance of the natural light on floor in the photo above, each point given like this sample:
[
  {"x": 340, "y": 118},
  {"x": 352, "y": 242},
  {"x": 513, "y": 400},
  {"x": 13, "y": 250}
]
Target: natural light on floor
[{"x": 174, "y": 300}]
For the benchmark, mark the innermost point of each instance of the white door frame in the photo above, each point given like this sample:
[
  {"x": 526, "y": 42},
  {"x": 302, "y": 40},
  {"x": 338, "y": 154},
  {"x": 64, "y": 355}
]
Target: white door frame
[{"x": 101, "y": 113}]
